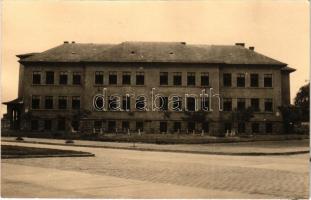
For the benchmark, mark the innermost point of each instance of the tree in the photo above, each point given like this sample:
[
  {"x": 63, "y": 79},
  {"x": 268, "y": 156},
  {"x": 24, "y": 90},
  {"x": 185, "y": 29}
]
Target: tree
[
  {"x": 242, "y": 115},
  {"x": 302, "y": 102},
  {"x": 291, "y": 116}
]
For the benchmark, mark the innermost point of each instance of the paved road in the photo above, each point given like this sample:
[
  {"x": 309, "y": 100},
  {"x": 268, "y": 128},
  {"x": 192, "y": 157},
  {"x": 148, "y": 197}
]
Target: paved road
[{"x": 117, "y": 173}]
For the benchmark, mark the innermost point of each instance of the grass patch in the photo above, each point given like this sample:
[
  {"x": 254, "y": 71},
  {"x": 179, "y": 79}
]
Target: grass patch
[{"x": 10, "y": 151}]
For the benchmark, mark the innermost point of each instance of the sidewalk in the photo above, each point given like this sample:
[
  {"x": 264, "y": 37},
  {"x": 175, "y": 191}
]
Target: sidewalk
[{"x": 287, "y": 147}]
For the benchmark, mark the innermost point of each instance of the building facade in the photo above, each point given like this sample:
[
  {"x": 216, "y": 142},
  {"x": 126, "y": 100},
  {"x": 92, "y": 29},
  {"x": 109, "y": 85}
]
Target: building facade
[{"x": 150, "y": 87}]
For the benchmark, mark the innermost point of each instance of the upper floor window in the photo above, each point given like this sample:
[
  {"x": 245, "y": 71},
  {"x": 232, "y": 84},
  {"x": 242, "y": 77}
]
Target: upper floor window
[
  {"x": 99, "y": 78},
  {"x": 49, "y": 77},
  {"x": 35, "y": 102},
  {"x": 268, "y": 105},
  {"x": 48, "y": 102},
  {"x": 126, "y": 78},
  {"x": 113, "y": 103},
  {"x": 113, "y": 78},
  {"x": 191, "y": 78},
  {"x": 227, "y": 80},
  {"x": 255, "y": 104},
  {"x": 163, "y": 78},
  {"x": 126, "y": 103},
  {"x": 36, "y": 77},
  {"x": 63, "y": 78},
  {"x": 204, "y": 79},
  {"x": 240, "y": 80},
  {"x": 227, "y": 104},
  {"x": 177, "y": 103},
  {"x": 76, "y": 78},
  {"x": 205, "y": 104},
  {"x": 140, "y": 78},
  {"x": 75, "y": 102},
  {"x": 268, "y": 80},
  {"x": 177, "y": 78},
  {"x": 254, "y": 80},
  {"x": 62, "y": 102},
  {"x": 164, "y": 103},
  {"x": 191, "y": 103},
  {"x": 241, "y": 104}
]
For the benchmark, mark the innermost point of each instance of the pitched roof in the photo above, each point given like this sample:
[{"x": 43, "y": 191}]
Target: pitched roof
[
  {"x": 15, "y": 101},
  {"x": 178, "y": 52}
]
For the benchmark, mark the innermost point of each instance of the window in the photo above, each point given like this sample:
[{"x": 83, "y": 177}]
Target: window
[
  {"x": 63, "y": 78},
  {"x": 61, "y": 124},
  {"x": 205, "y": 127},
  {"x": 126, "y": 78},
  {"x": 255, "y": 104},
  {"x": 191, "y": 78},
  {"x": 140, "y": 78},
  {"x": 241, "y": 127},
  {"x": 99, "y": 103},
  {"x": 140, "y": 126},
  {"x": 228, "y": 127},
  {"x": 126, "y": 103},
  {"x": 98, "y": 124},
  {"x": 75, "y": 124},
  {"x": 163, "y": 103},
  {"x": 47, "y": 124},
  {"x": 163, "y": 127},
  {"x": 99, "y": 78},
  {"x": 227, "y": 104},
  {"x": 241, "y": 104},
  {"x": 227, "y": 80},
  {"x": 34, "y": 125},
  {"x": 111, "y": 126},
  {"x": 268, "y": 127},
  {"x": 268, "y": 105},
  {"x": 125, "y": 126},
  {"x": 254, "y": 80},
  {"x": 240, "y": 80},
  {"x": 48, "y": 102},
  {"x": 76, "y": 78},
  {"x": 191, "y": 126},
  {"x": 112, "y": 78},
  {"x": 177, "y": 78},
  {"x": 36, "y": 77},
  {"x": 191, "y": 103},
  {"x": 75, "y": 103},
  {"x": 62, "y": 102},
  {"x": 35, "y": 102},
  {"x": 205, "y": 104},
  {"x": 113, "y": 103},
  {"x": 204, "y": 79},
  {"x": 177, "y": 126},
  {"x": 177, "y": 103},
  {"x": 49, "y": 77},
  {"x": 140, "y": 103},
  {"x": 268, "y": 80},
  {"x": 255, "y": 127},
  {"x": 163, "y": 78}
]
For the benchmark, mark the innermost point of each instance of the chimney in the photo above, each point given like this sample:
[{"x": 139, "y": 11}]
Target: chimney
[
  {"x": 252, "y": 48},
  {"x": 66, "y": 42},
  {"x": 72, "y": 42},
  {"x": 240, "y": 44}
]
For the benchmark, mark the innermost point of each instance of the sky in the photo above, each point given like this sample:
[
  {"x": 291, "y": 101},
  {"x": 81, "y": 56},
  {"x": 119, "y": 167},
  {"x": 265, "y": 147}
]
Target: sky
[{"x": 278, "y": 29}]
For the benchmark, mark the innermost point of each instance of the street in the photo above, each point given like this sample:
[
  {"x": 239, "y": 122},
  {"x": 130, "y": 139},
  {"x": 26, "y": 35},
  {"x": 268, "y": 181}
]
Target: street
[{"x": 115, "y": 173}]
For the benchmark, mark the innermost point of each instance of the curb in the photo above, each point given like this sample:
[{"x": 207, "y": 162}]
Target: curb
[
  {"x": 174, "y": 151},
  {"x": 47, "y": 156}
]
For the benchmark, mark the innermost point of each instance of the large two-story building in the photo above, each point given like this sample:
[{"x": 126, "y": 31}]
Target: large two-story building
[{"x": 150, "y": 87}]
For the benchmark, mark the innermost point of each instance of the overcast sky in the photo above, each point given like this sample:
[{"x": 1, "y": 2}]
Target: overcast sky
[{"x": 278, "y": 29}]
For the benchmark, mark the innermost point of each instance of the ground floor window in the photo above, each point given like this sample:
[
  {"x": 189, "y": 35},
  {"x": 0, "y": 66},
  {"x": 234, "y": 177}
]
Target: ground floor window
[
  {"x": 241, "y": 127},
  {"x": 98, "y": 124},
  {"x": 111, "y": 126},
  {"x": 177, "y": 126},
  {"x": 163, "y": 127},
  {"x": 34, "y": 125},
  {"x": 140, "y": 126},
  {"x": 255, "y": 127},
  {"x": 47, "y": 124},
  {"x": 191, "y": 126},
  {"x": 228, "y": 127},
  {"x": 269, "y": 127},
  {"x": 205, "y": 126},
  {"x": 125, "y": 125},
  {"x": 61, "y": 124},
  {"x": 75, "y": 125}
]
